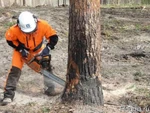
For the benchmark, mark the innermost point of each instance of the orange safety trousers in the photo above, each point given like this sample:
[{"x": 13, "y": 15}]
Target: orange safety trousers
[{"x": 15, "y": 72}]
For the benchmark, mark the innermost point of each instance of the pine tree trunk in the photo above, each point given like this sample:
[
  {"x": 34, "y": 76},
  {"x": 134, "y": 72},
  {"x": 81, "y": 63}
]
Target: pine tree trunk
[
  {"x": 2, "y": 3},
  {"x": 64, "y": 3},
  {"x": 24, "y": 2},
  {"x": 58, "y": 2},
  {"x": 83, "y": 74}
]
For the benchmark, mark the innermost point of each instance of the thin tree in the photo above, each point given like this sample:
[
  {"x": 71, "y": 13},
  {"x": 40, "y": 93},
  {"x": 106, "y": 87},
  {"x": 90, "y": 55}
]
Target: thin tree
[
  {"x": 103, "y": 1},
  {"x": 24, "y": 2},
  {"x": 58, "y": 2},
  {"x": 83, "y": 70},
  {"x": 2, "y": 3},
  {"x": 64, "y": 3}
]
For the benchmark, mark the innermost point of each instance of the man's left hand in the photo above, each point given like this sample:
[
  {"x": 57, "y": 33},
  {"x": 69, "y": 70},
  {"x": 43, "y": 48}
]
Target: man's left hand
[{"x": 45, "y": 51}]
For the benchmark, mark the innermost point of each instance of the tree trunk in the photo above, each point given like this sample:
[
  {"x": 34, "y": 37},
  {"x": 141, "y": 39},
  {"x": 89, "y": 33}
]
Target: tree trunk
[
  {"x": 58, "y": 2},
  {"x": 2, "y": 3},
  {"x": 83, "y": 71},
  {"x": 64, "y": 3},
  {"x": 104, "y": 2},
  {"x": 24, "y": 2}
]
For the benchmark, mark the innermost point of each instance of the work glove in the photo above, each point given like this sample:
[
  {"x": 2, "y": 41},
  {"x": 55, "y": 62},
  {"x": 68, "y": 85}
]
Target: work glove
[
  {"x": 24, "y": 52},
  {"x": 46, "y": 50}
]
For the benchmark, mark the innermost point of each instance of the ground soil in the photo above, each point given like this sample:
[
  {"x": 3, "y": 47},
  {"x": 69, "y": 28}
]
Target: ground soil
[{"x": 125, "y": 54}]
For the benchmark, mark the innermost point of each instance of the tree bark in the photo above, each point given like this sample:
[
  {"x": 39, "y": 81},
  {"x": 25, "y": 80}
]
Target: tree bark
[
  {"x": 2, "y": 3},
  {"x": 83, "y": 71},
  {"x": 24, "y": 2},
  {"x": 58, "y": 2},
  {"x": 64, "y": 3}
]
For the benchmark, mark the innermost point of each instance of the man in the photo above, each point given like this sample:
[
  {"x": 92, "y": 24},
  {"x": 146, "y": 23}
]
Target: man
[{"x": 26, "y": 37}]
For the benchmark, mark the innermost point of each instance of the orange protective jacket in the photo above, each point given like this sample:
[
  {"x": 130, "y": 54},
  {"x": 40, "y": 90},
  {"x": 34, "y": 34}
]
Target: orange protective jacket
[{"x": 30, "y": 41}]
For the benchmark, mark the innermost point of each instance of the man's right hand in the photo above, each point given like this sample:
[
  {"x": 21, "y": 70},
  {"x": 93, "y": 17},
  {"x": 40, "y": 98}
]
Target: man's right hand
[{"x": 24, "y": 52}]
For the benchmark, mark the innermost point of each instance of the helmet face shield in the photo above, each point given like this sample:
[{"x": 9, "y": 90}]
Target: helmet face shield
[{"x": 27, "y": 22}]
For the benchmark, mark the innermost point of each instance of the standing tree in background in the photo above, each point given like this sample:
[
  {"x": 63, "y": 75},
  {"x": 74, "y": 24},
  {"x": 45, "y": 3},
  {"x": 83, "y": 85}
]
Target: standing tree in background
[
  {"x": 64, "y": 2},
  {"x": 103, "y": 1},
  {"x": 2, "y": 3},
  {"x": 58, "y": 2},
  {"x": 83, "y": 79},
  {"x": 24, "y": 2}
]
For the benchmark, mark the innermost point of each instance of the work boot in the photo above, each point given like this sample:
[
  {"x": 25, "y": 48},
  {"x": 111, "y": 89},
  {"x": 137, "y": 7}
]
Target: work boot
[
  {"x": 10, "y": 87},
  {"x": 5, "y": 101}
]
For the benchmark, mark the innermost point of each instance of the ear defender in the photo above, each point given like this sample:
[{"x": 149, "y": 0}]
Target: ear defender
[
  {"x": 17, "y": 21},
  {"x": 35, "y": 18}
]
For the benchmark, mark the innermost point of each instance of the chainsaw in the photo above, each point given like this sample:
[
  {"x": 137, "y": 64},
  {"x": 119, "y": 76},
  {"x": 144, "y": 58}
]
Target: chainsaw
[{"x": 41, "y": 64}]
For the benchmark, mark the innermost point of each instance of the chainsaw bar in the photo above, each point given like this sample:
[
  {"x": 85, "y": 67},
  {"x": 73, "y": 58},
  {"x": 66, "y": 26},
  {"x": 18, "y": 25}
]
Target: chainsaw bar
[
  {"x": 37, "y": 67},
  {"x": 52, "y": 77}
]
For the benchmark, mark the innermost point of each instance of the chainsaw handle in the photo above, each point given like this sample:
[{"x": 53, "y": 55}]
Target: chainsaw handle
[{"x": 38, "y": 55}]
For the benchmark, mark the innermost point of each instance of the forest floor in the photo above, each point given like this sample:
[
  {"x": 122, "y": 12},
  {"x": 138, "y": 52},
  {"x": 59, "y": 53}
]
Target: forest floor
[{"x": 125, "y": 62}]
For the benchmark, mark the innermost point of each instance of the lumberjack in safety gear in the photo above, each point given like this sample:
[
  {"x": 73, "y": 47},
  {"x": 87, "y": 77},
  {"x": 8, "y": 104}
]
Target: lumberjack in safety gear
[{"x": 26, "y": 37}]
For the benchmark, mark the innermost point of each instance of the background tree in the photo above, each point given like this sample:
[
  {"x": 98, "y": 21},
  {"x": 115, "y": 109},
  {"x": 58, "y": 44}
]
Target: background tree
[
  {"x": 83, "y": 71},
  {"x": 2, "y": 3},
  {"x": 58, "y": 2},
  {"x": 64, "y": 2},
  {"x": 24, "y": 2}
]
